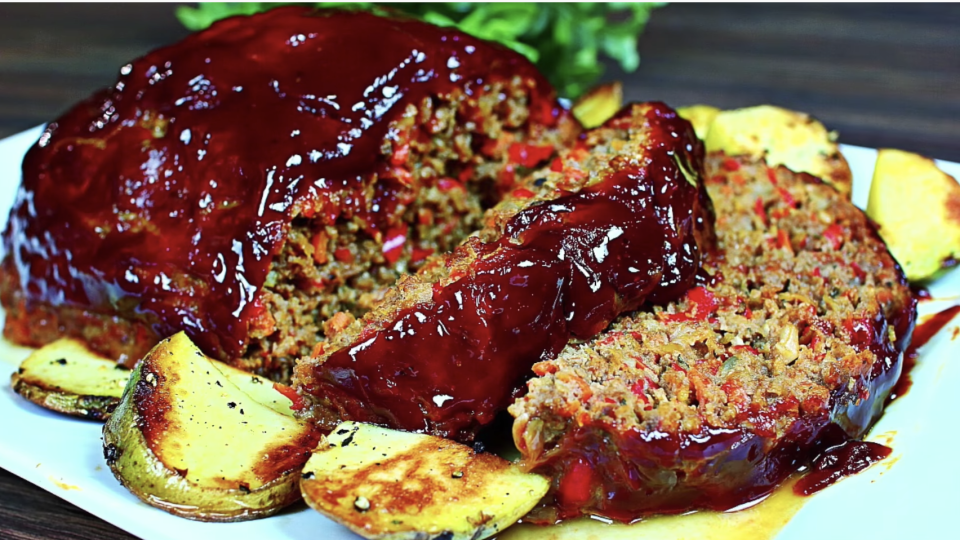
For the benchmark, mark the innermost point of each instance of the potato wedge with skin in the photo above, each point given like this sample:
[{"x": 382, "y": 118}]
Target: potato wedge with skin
[
  {"x": 67, "y": 377},
  {"x": 598, "y": 104},
  {"x": 783, "y": 137},
  {"x": 917, "y": 207},
  {"x": 701, "y": 116},
  {"x": 393, "y": 485},
  {"x": 187, "y": 439}
]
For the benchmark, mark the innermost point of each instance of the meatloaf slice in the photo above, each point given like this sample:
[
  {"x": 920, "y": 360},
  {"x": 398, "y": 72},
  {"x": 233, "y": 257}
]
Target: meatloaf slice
[
  {"x": 797, "y": 327},
  {"x": 619, "y": 219},
  {"x": 263, "y": 174}
]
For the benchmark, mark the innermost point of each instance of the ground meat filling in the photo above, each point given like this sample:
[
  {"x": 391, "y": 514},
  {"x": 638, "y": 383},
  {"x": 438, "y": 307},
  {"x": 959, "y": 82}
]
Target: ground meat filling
[
  {"x": 620, "y": 218},
  {"x": 457, "y": 153},
  {"x": 799, "y": 322}
]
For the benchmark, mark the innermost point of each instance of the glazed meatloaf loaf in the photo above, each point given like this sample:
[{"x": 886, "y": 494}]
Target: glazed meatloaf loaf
[
  {"x": 262, "y": 175},
  {"x": 794, "y": 335},
  {"x": 619, "y": 219}
]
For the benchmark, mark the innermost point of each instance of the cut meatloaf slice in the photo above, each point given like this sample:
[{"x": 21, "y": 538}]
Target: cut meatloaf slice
[
  {"x": 263, "y": 174},
  {"x": 621, "y": 218},
  {"x": 798, "y": 327}
]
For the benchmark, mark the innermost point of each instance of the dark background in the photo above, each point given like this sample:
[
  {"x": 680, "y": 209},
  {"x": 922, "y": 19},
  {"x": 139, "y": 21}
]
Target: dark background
[{"x": 882, "y": 75}]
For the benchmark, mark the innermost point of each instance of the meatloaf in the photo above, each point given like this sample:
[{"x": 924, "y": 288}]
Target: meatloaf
[
  {"x": 262, "y": 175},
  {"x": 619, "y": 219},
  {"x": 794, "y": 334}
]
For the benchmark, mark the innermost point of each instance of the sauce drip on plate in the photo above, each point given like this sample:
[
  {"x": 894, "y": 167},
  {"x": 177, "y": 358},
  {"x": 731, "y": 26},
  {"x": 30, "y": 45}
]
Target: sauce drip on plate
[
  {"x": 854, "y": 456},
  {"x": 921, "y": 335},
  {"x": 843, "y": 460}
]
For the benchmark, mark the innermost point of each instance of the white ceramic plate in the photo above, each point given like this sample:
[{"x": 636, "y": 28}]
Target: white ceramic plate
[{"x": 912, "y": 494}]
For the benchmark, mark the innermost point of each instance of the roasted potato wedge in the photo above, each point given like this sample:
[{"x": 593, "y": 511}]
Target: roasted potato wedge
[
  {"x": 394, "y": 485},
  {"x": 783, "y": 137},
  {"x": 67, "y": 377},
  {"x": 701, "y": 116},
  {"x": 918, "y": 209},
  {"x": 187, "y": 439},
  {"x": 599, "y": 103}
]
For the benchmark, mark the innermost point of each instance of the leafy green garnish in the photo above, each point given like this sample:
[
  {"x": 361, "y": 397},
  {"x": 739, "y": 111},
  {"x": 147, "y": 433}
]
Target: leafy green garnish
[{"x": 564, "y": 40}]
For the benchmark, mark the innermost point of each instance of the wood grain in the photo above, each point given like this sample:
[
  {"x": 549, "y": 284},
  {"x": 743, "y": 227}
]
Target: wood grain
[
  {"x": 882, "y": 75},
  {"x": 30, "y": 513}
]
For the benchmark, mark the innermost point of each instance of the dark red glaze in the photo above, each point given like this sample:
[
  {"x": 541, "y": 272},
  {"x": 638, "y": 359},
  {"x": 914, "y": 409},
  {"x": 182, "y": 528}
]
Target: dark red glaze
[
  {"x": 921, "y": 335},
  {"x": 929, "y": 328},
  {"x": 165, "y": 198},
  {"x": 639, "y": 473},
  {"x": 839, "y": 461},
  {"x": 921, "y": 292},
  {"x": 563, "y": 269},
  {"x": 905, "y": 381}
]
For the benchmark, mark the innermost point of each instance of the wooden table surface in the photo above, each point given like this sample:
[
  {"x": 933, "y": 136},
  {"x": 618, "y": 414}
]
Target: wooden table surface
[{"x": 882, "y": 75}]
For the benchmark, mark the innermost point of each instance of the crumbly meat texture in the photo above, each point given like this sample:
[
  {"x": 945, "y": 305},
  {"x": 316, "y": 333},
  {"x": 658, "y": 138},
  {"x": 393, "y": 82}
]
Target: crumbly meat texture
[
  {"x": 569, "y": 173},
  {"x": 327, "y": 270},
  {"x": 557, "y": 258},
  {"x": 444, "y": 160},
  {"x": 799, "y": 323}
]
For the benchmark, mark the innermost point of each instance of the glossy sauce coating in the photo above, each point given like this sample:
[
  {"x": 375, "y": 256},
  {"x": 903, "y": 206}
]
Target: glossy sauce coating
[
  {"x": 165, "y": 198},
  {"x": 846, "y": 459},
  {"x": 562, "y": 269}
]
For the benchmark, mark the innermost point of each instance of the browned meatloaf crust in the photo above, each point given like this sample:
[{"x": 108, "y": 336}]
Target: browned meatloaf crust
[
  {"x": 262, "y": 175},
  {"x": 620, "y": 218},
  {"x": 711, "y": 401}
]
